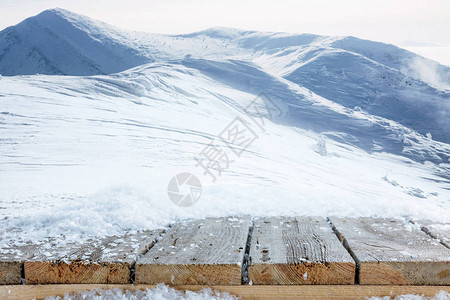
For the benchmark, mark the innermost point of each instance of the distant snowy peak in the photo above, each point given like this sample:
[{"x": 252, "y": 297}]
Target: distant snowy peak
[
  {"x": 219, "y": 32},
  {"x": 78, "y": 20},
  {"x": 408, "y": 63},
  {"x": 60, "y": 42},
  {"x": 256, "y": 40}
]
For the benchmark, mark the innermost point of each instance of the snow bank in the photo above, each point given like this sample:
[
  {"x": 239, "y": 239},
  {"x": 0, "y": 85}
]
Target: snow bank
[
  {"x": 92, "y": 156},
  {"x": 85, "y": 157},
  {"x": 442, "y": 295},
  {"x": 159, "y": 293},
  {"x": 164, "y": 292}
]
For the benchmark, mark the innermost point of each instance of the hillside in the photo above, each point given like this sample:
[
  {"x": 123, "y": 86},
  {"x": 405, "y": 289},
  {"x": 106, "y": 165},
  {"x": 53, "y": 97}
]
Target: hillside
[
  {"x": 342, "y": 127},
  {"x": 380, "y": 79}
]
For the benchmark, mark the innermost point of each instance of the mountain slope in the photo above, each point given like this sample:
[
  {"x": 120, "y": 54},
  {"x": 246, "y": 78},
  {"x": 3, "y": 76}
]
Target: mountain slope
[
  {"x": 59, "y": 42},
  {"x": 86, "y": 156},
  {"x": 338, "y": 126},
  {"x": 356, "y": 81},
  {"x": 380, "y": 79}
]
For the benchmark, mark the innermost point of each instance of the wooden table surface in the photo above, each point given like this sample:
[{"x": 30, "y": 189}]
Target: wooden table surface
[{"x": 235, "y": 251}]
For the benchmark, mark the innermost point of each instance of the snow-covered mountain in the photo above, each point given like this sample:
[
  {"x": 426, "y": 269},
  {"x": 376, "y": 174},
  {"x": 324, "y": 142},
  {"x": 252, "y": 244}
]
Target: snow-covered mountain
[
  {"x": 378, "y": 78},
  {"x": 59, "y": 42},
  {"x": 357, "y": 127}
]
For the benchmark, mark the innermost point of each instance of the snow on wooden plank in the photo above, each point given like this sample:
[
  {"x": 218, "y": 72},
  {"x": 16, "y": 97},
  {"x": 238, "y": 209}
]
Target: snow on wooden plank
[
  {"x": 209, "y": 251},
  {"x": 11, "y": 272},
  {"x": 438, "y": 231},
  {"x": 107, "y": 260},
  {"x": 392, "y": 252},
  {"x": 302, "y": 250},
  {"x": 12, "y": 258}
]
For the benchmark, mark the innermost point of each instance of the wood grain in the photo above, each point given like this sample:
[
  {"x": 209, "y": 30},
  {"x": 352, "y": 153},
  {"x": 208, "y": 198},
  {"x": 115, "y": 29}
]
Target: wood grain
[
  {"x": 12, "y": 258},
  {"x": 108, "y": 260},
  {"x": 394, "y": 252},
  {"x": 438, "y": 231},
  {"x": 209, "y": 251},
  {"x": 11, "y": 272},
  {"x": 302, "y": 250},
  {"x": 265, "y": 292}
]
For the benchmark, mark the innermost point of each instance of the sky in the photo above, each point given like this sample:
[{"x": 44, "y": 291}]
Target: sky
[{"x": 419, "y": 25}]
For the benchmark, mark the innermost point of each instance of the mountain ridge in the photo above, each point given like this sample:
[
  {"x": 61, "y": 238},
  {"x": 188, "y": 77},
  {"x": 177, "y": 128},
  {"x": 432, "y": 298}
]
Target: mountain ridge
[{"x": 255, "y": 40}]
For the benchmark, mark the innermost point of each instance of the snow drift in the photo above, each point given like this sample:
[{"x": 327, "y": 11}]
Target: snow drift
[{"x": 355, "y": 135}]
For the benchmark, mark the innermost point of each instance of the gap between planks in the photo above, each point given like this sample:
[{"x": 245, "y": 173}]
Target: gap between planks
[
  {"x": 244, "y": 264},
  {"x": 208, "y": 251},
  {"x": 347, "y": 247},
  {"x": 393, "y": 252},
  {"x": 298, "y": 250},
  {"x": 443, "y": 236},
  {"x": 246, "y": 260},
  {"x": 108, "y": 260}
]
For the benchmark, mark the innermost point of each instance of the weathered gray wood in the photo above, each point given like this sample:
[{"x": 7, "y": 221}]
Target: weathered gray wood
[
  {"x": 302, "y": 250},
  {"x": 12, "y": 258},
  {"x": 209, "y": 251},
  {"x": 11, "y": 271},
  {"x": 107, "y": 260},
  {"x": 438, "y": 231},
  {"x": 393, "y": 252}
]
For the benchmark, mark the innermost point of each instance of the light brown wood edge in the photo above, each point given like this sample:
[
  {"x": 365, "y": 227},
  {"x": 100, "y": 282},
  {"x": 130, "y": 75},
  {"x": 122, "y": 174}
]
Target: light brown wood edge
[
  {"x": 245, "y": 291},
  {"x": 344, "y": 242}
]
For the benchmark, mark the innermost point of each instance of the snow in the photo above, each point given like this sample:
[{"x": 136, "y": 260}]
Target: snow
[
  {"x": 85, "y": 156},
  {"x": 93, "y": 156},
  {"x": 442, "y": 295},
  {"x": 159, "y": 293},
  {"x": 164, "y": 292},
  {"x": 434, "y": 52}
]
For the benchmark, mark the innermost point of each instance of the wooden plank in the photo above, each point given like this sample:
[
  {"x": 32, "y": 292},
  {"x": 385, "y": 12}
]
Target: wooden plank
[
  {"x": 12, "y": 258},
  {"x": 11, "y": 272},
  {"x": 392, "y": 252},
  {"x": 265, "y": 292},
  {"x": 300, "y": 250},
  {"x": 438, "y": 231},
  {"x": 209, "y": 251},
  {"x": 108, "y": 260}
]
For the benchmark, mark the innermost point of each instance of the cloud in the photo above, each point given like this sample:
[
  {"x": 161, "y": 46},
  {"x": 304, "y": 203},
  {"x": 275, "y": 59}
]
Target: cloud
[{"x": 430, "y": 72}]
